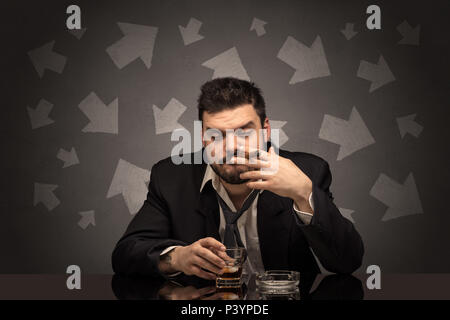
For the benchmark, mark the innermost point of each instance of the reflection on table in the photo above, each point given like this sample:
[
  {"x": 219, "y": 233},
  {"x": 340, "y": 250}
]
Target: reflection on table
[{"x": 311, "y": 287}]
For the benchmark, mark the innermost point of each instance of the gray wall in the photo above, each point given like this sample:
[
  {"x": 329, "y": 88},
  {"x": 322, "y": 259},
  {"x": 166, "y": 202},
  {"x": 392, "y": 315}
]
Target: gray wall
[{"x": 34, "y": 239}]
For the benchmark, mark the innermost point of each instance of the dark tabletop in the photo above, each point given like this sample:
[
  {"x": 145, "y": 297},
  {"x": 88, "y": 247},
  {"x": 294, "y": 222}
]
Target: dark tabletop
[{"x": 311, "y": 287}]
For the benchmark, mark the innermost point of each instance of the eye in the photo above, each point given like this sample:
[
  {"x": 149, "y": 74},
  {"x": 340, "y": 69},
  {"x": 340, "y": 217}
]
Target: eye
[{"x": 247, "y": 133}]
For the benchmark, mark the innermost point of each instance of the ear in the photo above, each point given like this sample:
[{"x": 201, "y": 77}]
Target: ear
[
  {"x": 202, "y": 135},
  {"x": 267, "y": 129}
]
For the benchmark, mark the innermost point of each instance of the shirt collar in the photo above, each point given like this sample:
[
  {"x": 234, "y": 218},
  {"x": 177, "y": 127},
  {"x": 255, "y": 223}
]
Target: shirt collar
[{"x": 209, "y": 175}]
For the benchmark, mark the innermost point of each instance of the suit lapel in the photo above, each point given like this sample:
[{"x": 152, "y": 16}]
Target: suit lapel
[{"x": 208, "y": 207}]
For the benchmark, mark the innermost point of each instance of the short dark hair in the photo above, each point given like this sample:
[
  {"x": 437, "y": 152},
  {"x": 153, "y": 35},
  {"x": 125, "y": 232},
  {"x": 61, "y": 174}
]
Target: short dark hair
[{"x": 228, "y": 93}]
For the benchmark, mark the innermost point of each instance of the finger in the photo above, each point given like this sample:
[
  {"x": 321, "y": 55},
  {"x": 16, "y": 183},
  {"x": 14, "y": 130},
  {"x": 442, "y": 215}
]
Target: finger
[
  {"x": 205, "y": 264},
  {"x": 223, "y": 255},
  {"x": 203, "y": 274},
  {"x": 255, "y": 175},
  {"x": 211, "y": 257},
  {"x": 211, "y": 242},
  {"x": 262, "y": 154},
  {"x": 253, "y": 163},
  {"x": 261, "y": 185}
]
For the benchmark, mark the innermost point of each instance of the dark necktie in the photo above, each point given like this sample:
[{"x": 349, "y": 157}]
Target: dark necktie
[{"x": 231, "y": 237}]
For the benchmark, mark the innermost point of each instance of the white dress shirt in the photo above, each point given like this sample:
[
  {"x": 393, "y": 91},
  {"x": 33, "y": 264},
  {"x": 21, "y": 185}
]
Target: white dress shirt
[{"x": 247, "y": 224}]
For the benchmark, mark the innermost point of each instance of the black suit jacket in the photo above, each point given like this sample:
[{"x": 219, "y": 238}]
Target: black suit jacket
[{"x": 176, "y": 213}]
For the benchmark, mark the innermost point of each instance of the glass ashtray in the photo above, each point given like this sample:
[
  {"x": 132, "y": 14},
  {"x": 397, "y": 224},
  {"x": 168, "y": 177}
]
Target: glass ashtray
[{"x": 277, "y": 281}]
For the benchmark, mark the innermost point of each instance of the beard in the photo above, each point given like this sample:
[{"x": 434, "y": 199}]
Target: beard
[{"x": 230, "y": 172}]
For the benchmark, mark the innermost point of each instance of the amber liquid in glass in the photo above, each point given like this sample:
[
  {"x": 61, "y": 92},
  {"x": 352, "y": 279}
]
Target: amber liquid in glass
[
  {"x": 231, "y": 273},
  {"x": 230, "y": 278}
]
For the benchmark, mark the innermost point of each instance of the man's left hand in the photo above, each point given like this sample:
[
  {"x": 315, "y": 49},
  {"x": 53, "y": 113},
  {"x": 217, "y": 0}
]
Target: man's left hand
[{"x": 278, "y": 175}]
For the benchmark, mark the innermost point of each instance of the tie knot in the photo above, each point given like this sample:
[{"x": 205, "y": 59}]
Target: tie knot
[
  {"x": 232, "y": 216},
  {"x": 232, "y": 236}
]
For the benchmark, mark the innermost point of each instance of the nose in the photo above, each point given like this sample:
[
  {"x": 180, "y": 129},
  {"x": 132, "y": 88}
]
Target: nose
[{"x": 230, "y": 146}]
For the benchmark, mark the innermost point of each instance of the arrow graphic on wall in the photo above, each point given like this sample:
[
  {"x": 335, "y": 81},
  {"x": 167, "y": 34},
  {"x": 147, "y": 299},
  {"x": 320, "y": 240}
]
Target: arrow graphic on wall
[
  {"x": 402, "y": 199},
  {"x": 278, "y": 125},
  {"x": 43, "y": 193},
  {"x": 102, "y": 118},
  {"x": 87, "y": 218},
  {"x": 347, "y": 213},
  {"x": 39, "y": 117},
  {"x": 351, "y": 135},
  {"x": 138, "y": 42},
  {"x": 349, "y": 31},
  {"x": 45, "y": 58},
  {"x": 130, "y": 181},
  {"x": 378, "y": 74},
  {"x": 408, "y": 125},
  {"x": 78, "y": 33},
  {"x": 227, "y": 64},
  {"x": 166, "y": 120},
  {"x": 258, "y": 26},
  {"x": 69, "y": 158},
  {"x": 308, "y": 62},
  {"x": 410, "y": 35},
  {"x": 190, "y": 32}
]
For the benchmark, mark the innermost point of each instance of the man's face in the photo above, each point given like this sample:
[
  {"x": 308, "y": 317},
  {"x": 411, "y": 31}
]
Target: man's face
[{"x": 246, "y": 119}]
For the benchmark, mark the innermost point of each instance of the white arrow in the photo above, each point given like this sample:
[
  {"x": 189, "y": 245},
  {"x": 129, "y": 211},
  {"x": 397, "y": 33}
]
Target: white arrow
[
  {"x": 78, "y": 33},
  {"x": 351, "y": 135},
  {"x": 258, "y": 26},
  {"x": 45, "y": 58},
  {"x": 39, "y": 116},
  {"x": 410, "y": 36},
  {"x": 309, "y": 63},
  {"x": 378, "y": 74},
  {"x": 138, "y": 42},
  {"x": 190, "y": 32},
  {"x": 349, "y": 31},
  {"x": 102, "y": 118},
  {"x": 278, "y": 125},
  {"x": 402, "y": 200},
  {"x": 347, "y": 213},
  {"x": 69, "y": 158},
  {"x": 43, "y": 193},
  {"x": 87, "y": 218},
  {"x": 408, "y": 125},
  {"x": 130, "y": 181},
  {"x": 166, "y": 120},
  {"x": 227, "y": 64}
]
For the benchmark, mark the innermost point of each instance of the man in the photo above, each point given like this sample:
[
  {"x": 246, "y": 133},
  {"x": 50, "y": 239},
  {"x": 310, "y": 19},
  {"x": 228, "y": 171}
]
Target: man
[{"x": 281, "y": 216}]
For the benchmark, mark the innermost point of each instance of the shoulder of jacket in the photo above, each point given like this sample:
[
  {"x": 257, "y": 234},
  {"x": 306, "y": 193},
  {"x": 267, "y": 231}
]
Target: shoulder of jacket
[{"x": 303, "y": 156}]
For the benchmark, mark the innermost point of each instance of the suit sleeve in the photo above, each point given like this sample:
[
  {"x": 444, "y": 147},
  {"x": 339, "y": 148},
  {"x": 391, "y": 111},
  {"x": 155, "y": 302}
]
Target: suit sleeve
[
  {"x": 332, "y": 237},
  {"x": 148, "y": 234}
]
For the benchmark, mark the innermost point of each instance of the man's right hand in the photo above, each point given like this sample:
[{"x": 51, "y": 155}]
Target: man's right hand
[{"x": 203, "y": 258}]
